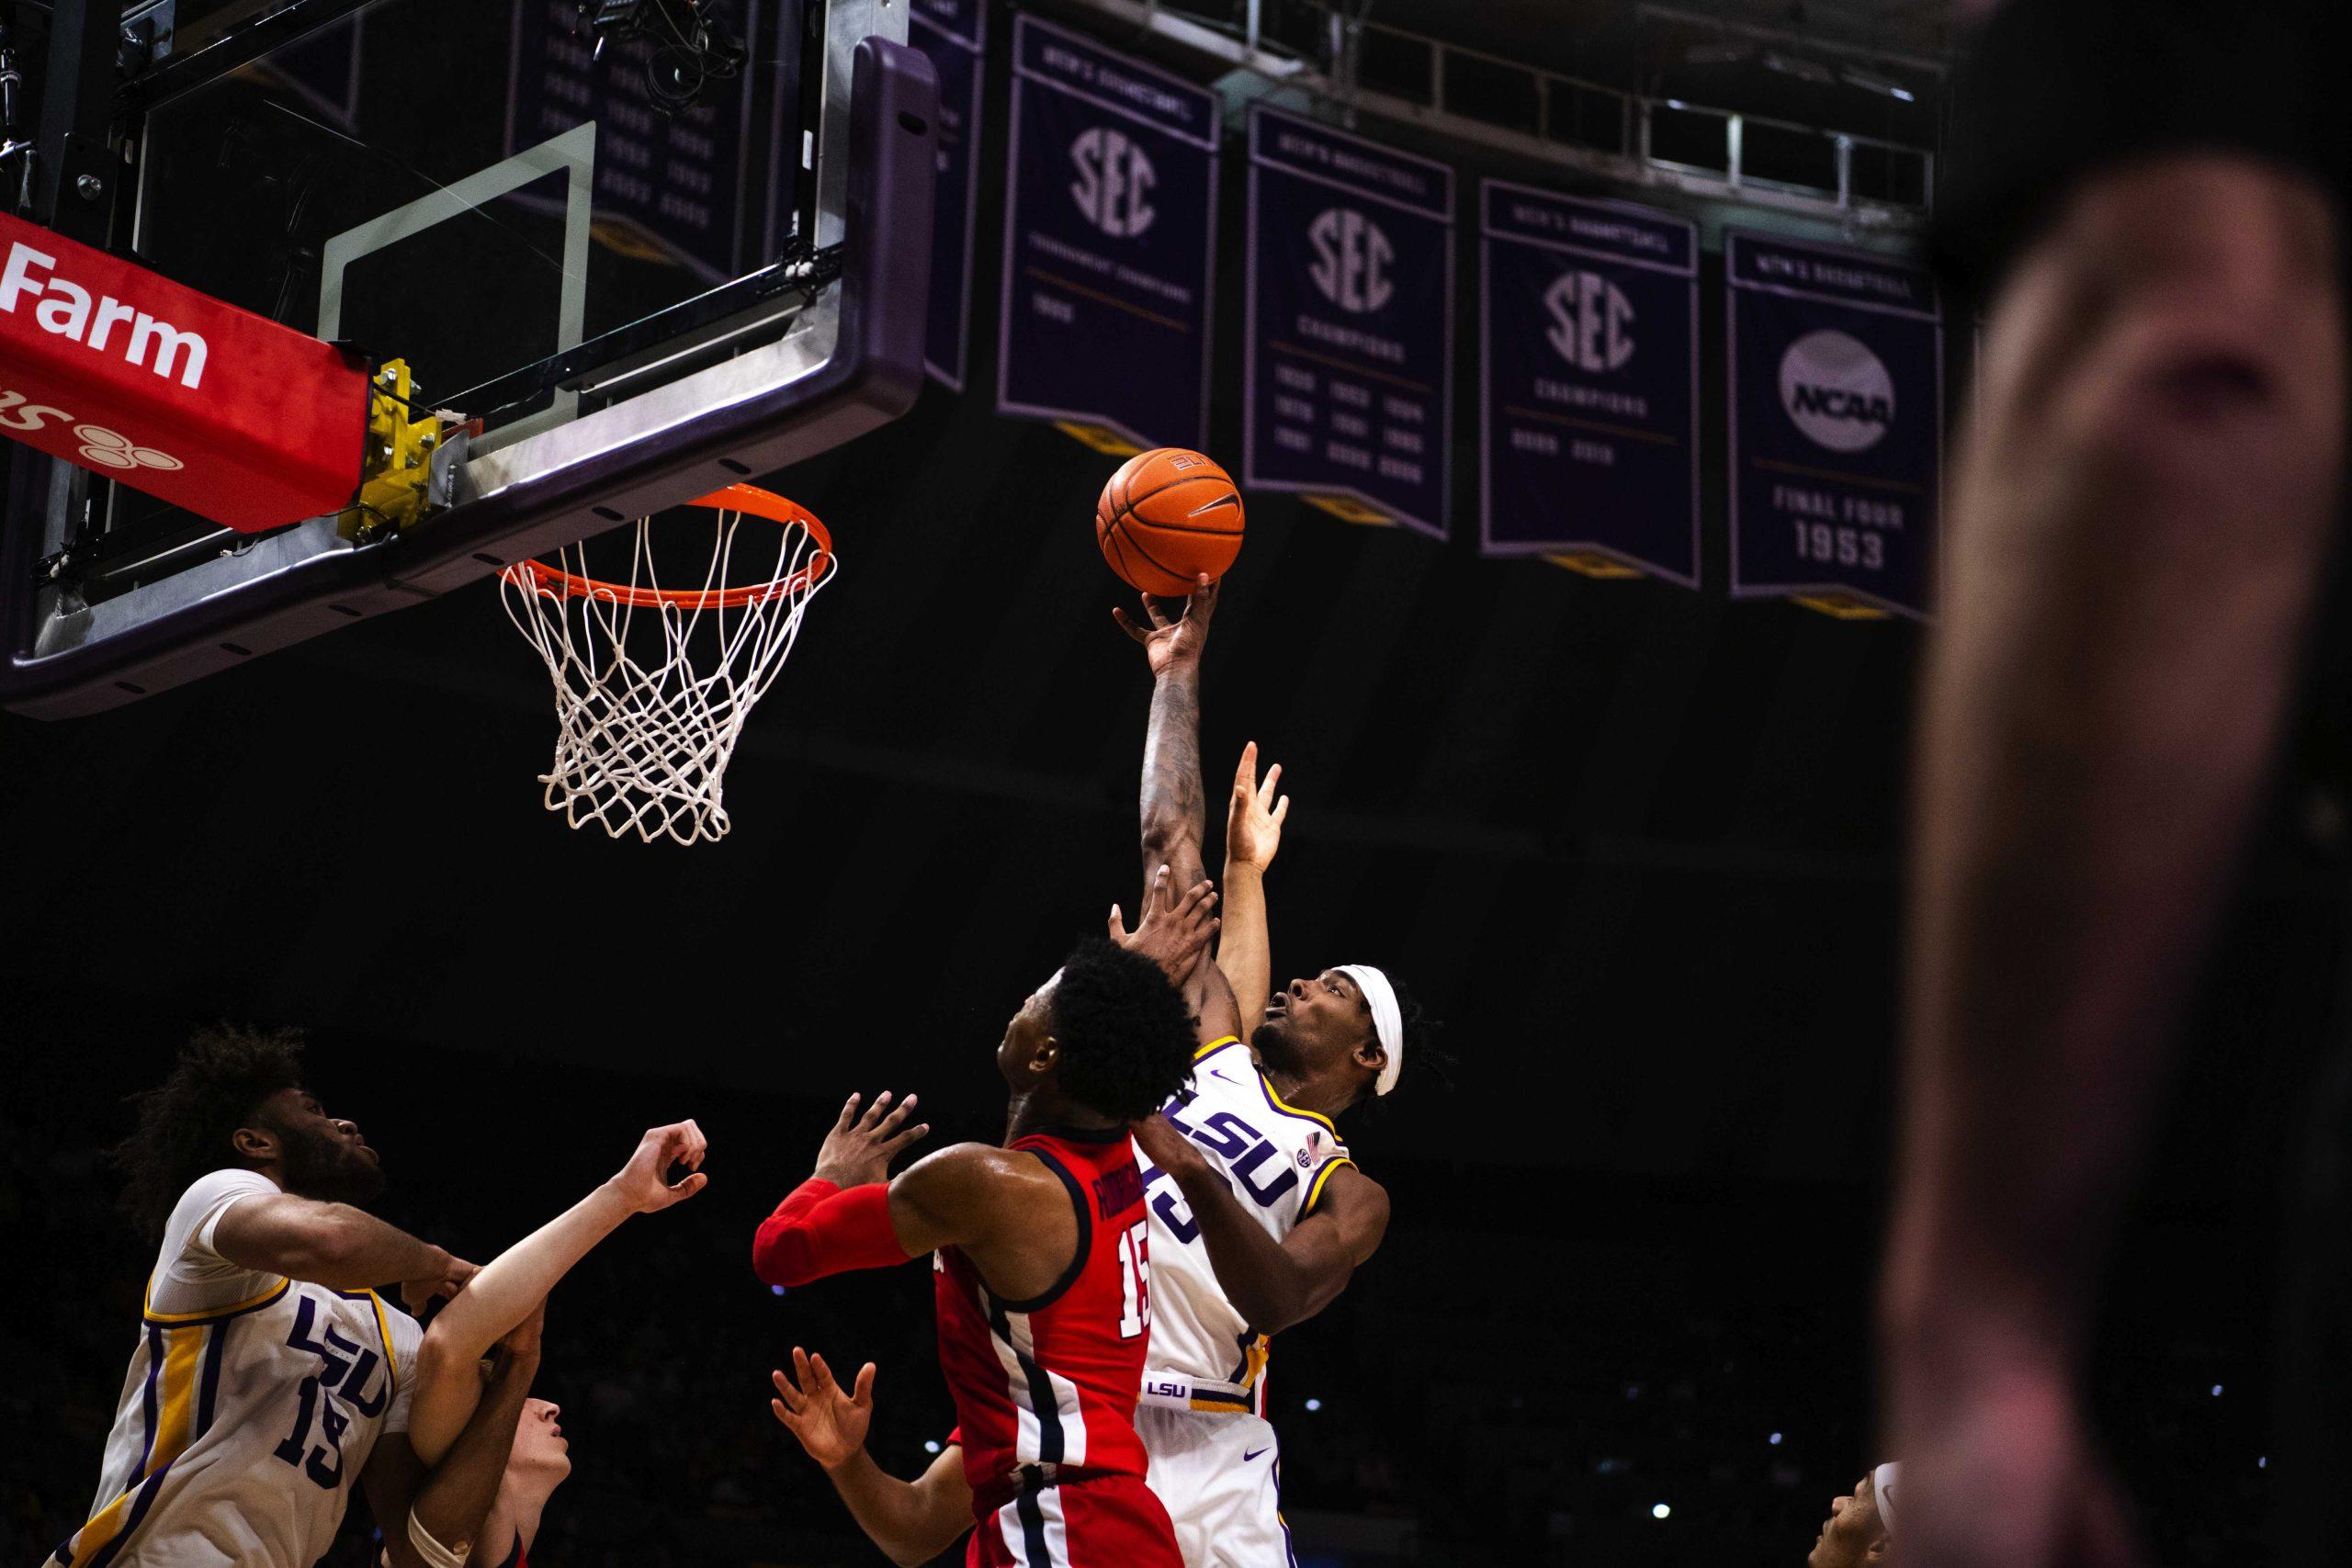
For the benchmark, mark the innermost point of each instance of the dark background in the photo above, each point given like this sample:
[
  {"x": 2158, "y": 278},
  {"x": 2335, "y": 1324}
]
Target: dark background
[{"x": 1637, "y": 846}]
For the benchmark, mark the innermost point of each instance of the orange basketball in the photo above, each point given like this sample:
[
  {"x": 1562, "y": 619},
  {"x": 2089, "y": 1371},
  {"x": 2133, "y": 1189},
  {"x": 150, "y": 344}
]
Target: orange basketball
[{"x": 1166, "y": 517}]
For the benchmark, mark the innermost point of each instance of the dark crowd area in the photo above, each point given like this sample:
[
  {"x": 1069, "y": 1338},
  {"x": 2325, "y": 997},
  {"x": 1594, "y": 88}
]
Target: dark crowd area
[{"x": 1563, "y": 1365}]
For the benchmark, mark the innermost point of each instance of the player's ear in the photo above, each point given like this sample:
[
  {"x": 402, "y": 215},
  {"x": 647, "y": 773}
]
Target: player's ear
[
  {"x": 1048, "y": 1057},
  {"x": 1370, "y": 1055},
  {"x": 256, "y": 1144}
]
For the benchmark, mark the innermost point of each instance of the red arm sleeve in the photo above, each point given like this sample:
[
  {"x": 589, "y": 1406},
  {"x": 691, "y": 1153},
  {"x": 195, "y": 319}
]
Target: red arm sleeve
[{"x": 819, "y": 1230}]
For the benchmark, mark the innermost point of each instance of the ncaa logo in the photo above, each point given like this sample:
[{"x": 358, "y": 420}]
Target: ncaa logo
[
  {"x": 1115, "y": 182},
  {"x": 1352, "y": 258},
  {"x": 110, "y": 449},
  {"x": 1837, "y": 391},
  {"x": 1591, "y": 322}
]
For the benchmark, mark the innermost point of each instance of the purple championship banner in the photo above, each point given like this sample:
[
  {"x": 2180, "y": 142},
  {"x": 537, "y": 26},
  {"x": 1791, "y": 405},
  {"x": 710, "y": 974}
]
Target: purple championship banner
[
  {"x": 954, "y": 35},
  {"x": 1350, "y": 323},
  {"x": 1837, "y": 425},
  {"x": 1109, "y": 225},
  {"x": 1589, "y": 372}
]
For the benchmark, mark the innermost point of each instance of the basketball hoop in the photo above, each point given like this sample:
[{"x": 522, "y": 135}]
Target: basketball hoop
[{"x": 645, "y": 728}]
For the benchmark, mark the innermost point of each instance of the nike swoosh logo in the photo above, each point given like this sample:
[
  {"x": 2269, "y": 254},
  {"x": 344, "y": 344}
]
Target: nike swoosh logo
[{"x": 1253, "y": 1453}]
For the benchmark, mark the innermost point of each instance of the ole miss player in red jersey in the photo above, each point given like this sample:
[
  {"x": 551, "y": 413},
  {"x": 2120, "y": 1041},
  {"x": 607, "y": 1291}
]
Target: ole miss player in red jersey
[{"x": 1041, "y": 1272}]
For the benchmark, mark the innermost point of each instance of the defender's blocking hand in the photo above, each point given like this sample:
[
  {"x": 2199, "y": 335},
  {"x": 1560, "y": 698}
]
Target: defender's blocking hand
[
  {"x": 859, "y": 1148},
  {"x": 1172, "y": 933}
]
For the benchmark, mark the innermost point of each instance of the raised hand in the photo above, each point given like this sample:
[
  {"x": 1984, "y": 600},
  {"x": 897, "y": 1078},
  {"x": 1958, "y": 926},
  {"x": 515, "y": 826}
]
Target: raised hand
[
  {"x": 1167, "y": 643},
  {"x": 860, "y": 1147},
  {"x": 645, "y": 1183},
  {"x": 829, "y": 1423},
  {"x": 1171, "y": 934},
  {"x": 1253, "y": 824}
]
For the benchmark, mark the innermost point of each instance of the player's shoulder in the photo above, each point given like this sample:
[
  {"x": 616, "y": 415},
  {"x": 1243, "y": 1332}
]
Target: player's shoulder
[
  {"x": 405, "y": 1331},
  {"x": 215, "y": 1190}
]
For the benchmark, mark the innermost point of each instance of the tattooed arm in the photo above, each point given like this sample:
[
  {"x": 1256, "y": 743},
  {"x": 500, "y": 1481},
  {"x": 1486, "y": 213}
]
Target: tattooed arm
[{"x": 1174, "y": 808}]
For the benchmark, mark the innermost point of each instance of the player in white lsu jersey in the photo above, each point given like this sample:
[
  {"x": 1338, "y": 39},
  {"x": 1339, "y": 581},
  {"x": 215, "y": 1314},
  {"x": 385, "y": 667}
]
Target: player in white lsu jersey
[
  {"x": 268, "y": 1374},
  {"x": 1258, "y": 1216}
]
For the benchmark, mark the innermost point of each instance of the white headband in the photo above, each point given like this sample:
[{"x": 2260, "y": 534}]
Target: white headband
[
  {"x": 1882, "y": 1481},
  {"x": 1387, "y": 1020}
]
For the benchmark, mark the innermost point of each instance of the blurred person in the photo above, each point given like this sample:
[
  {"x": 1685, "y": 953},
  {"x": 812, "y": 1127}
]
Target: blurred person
[
  {"x": 268, "y": 1374},
  {"x": 1260, "y": 1216},
  {"x": 1042, "y": 1269},
  {"x": 1860, "y": 1527},
  {"x": 2151, "y": 196}
]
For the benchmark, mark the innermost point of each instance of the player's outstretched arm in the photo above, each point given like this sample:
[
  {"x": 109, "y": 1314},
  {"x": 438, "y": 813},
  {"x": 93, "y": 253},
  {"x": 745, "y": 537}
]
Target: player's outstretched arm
[
  {"x": 1174, "y": 811},
  {"x": 1273, "y": 1284},
  {"x": 333, "y": 1245},
  {"x": 911, "y": 1521},
  {"x": 1253, "y": 831},
  {"x": 514, "y": 1284},
  {"x": 840, "y": 1218},
  {"x": 430, "y": 1518}
]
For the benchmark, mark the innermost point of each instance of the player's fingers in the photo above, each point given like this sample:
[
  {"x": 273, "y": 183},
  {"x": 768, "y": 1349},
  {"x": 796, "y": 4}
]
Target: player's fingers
[
  {"x": 892, "y": 1123},
  {"x": 1127, "y": 625},
  {"x": 1244, "y": 773},
  {"x": 1157, "y": 617},
  {"x": 688, "y": 1187},
  {"x": 787, "y": 1393},
  {"x": 862, "y": 1395},
  {"x": 821, "y": 1376},
  {"x": 791, "y": 1422},
  {"x": 1282, "y": 810},
  {"x": 1204, "y": 598},
  {"x": 1273, "y": 777},
  {"x": 848, "y": 1115},
  {"x": 701, "y": 1142},
  {"x": 874, "y": 1113},
  {"x": 911, "y": 1135},
  {"x": 1118, "y": 926}
]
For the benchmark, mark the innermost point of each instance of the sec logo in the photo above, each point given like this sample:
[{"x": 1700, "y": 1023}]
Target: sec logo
[
  {"x": 1352, "y": 260},
  {"x": 1115, "y": 182}
]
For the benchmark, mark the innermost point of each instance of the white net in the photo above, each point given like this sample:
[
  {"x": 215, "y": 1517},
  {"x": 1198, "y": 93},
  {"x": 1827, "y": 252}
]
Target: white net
[{"x": 652, "y": 684}]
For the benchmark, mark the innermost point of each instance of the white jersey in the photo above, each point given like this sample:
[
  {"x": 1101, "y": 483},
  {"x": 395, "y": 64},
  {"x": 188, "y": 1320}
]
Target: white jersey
[
  {"x": 1203, "y": 1355},
  {"x": 252, "y": 1403}
]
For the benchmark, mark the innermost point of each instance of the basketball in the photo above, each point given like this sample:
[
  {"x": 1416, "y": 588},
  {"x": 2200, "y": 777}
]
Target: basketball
[{"x": 1168, "y": 515}]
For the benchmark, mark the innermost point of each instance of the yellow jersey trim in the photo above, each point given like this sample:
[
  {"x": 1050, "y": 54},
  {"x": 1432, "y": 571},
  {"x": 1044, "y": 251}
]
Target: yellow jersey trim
[
  {"x": 1293, "y": 1110},
  {"x": 1315, "y": 1190},
  {"x": 168, "y": 1319},
  {"x": 1216, "y": 1046},
  {"x": 175, "y": 1421},
  {"x": 384, "y": 1329}
]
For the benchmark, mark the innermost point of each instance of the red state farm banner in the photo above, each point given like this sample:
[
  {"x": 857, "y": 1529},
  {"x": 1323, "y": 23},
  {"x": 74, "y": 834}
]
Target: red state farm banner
[{"x": 155, "y": 386}]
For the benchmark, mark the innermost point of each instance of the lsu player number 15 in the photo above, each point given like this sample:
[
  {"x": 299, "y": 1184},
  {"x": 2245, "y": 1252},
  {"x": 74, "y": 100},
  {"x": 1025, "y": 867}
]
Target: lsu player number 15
[
  {"x": 252, "y": 1403},
  {"x": 1206, "y": 1359}
]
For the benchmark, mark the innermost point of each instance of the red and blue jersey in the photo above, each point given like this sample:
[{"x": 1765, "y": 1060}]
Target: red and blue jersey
[{"x": 1045, "y": 1387}]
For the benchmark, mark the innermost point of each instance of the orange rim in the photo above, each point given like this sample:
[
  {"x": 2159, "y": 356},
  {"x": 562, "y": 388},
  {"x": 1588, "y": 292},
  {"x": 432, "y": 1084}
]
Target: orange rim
[{"x": 555, "y": 582}]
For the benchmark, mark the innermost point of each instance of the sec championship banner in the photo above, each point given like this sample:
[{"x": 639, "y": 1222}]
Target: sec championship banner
[
  {"x": 1109, "y": 225},
  {"x": 1350, "y": 322},
  {"x": 1837, "y": 425},
  {"x": 1588, "y": 329},
  {"x": 954, "y": 35}
]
